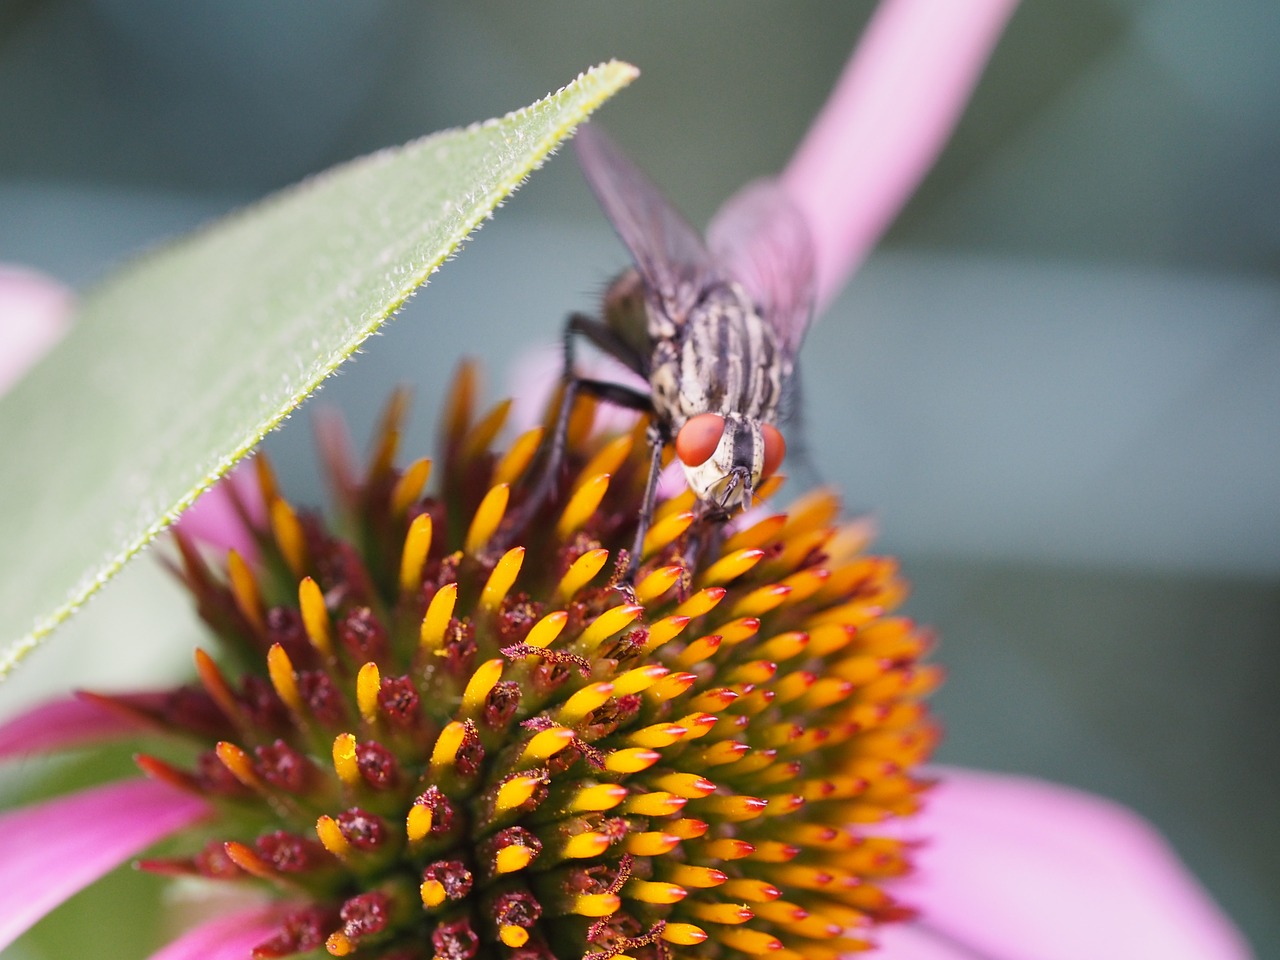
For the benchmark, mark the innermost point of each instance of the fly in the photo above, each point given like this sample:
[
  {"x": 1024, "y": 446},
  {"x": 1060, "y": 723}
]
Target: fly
[{"x": 713, "y": 327}]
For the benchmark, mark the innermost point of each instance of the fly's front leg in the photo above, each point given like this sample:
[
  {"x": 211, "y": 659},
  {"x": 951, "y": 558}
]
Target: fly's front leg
[
  {"x": 616, "y": 393},
  {"x": 580, "y": 324},
  {"x": 657, "y": 441},
  {"x": 707, "y": 535}
]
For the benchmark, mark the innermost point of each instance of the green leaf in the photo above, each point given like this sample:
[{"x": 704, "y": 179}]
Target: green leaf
[{"x": 179, "y": 364}]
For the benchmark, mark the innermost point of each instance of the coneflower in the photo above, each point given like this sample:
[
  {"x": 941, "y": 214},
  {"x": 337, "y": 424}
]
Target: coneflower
[{"x": 434, "y": 730}]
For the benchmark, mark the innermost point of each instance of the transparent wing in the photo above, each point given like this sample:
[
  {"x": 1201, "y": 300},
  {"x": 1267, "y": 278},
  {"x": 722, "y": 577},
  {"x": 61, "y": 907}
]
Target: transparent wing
[
  {"x": 670, "y": 255},
  {"x": 801, "y": 465},
  {"x": 761, "y": 239}
]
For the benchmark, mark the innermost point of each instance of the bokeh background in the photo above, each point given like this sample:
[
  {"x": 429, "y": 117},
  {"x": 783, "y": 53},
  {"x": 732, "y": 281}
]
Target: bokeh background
[{"x": 1056, "y": 382}]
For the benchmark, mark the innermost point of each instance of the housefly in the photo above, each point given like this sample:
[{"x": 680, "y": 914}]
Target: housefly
[{"x": 713, "y": 327}]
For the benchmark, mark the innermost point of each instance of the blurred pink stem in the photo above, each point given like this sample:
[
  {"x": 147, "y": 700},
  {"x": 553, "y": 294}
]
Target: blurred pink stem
[{"x": 883, "y": 126}]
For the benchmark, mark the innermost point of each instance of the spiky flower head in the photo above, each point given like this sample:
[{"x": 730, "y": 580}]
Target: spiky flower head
[{"x": 436, "y": 729}]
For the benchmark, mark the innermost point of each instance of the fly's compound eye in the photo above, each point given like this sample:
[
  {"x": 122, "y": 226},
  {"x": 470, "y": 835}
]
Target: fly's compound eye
[
  {"x": 775, "y": 448},
  {"x": 698, "y": 438}
]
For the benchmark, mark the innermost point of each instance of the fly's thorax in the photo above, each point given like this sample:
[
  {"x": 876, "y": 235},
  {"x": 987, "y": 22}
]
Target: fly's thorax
[
  {"x": 729, "y": 359},
  {"x": 723, "y": 369}
]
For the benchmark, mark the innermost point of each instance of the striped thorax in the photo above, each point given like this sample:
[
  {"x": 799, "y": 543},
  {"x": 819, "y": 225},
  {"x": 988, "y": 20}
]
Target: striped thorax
[{"x": 722, "y": 363}]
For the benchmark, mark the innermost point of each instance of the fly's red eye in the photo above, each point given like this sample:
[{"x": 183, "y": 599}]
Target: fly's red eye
[
  {"x": 775, "y": 448},
  {"x": 698, "y": 438}
]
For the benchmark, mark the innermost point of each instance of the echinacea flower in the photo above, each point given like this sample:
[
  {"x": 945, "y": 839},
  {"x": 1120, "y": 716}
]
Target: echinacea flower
[
  {"x": 1008, "y": 867},
  {"x": 439, "y": 735}
]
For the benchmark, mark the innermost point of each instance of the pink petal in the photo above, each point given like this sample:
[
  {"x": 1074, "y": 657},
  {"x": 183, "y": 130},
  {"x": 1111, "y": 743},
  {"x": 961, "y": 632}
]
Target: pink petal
[
  {"x": 892, "y": 109},
  {"x": 216, "y": 519},
  {"x": 51, "y": 850},
  {"x": 61, "y": 724},
  {"x": 34, "y": 314},
  {"x": 1017, "y": 867},
  {"x": 229, "y": 937},
  {"x": 909, "y": 941}
]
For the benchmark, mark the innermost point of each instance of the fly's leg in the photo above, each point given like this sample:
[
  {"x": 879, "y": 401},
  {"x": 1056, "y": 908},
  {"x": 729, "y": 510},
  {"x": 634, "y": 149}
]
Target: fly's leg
[
  {"x": 706, "y": 535},
  {"x": 608, "y": 341},
  {"x": 656, "y": 442},
  {"x": 615, "y": 393}
]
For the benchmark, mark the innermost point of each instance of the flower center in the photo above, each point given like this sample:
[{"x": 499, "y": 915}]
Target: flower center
[{"x": 431, "y": 744}]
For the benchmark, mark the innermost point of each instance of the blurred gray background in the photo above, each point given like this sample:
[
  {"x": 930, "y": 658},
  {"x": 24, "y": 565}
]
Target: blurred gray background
[{"x": 1056, "y": 383}]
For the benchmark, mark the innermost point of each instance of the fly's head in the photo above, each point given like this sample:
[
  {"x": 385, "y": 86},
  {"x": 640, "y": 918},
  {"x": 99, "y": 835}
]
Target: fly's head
[{"x": 726, "y": 457}]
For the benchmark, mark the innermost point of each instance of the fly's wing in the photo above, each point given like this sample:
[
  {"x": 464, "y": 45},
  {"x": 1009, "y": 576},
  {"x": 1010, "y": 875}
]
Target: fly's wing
[
  {"x": 802, "y": 469},
  {"x": 670, "y": 255},
  {"x": 761, "y": 239}
]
